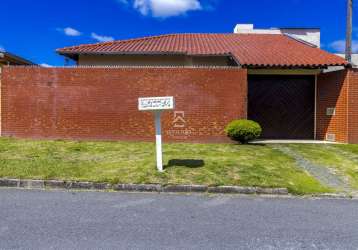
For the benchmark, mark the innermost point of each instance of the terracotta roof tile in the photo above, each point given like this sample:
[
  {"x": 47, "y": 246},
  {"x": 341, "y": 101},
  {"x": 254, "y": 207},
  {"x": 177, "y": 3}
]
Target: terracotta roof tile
[{"x": 250, "y": 50}]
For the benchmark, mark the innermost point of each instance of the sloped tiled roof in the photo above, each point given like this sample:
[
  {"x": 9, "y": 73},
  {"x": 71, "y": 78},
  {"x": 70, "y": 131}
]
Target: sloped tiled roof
[
  {"x": 12, "y": 59},
  {"x": 251, "y": 50}
]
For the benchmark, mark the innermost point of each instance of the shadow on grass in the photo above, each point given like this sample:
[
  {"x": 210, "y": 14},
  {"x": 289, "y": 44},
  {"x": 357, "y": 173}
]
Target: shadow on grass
[
  {"x": 189, "y": 163},
  {"x": 256, "y": 144},
  {"x": 253, "y": 143},
  {"x": 250, "y": 143}
]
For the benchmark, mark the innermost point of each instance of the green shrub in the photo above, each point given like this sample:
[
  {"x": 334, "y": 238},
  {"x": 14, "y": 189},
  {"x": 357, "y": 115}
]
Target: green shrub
[{"x": 243, "y": 130}]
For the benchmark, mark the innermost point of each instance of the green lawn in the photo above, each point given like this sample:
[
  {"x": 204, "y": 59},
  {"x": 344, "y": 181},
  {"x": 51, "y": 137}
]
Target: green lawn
[{"x": 129, "y": 162}]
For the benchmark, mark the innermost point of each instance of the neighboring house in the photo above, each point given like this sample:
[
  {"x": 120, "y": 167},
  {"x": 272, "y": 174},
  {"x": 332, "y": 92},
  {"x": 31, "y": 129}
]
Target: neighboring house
[
  {"x": 309, "y": 35},
  {"x": 282, "y": 65},
  {"x": 7, "y": 58}
]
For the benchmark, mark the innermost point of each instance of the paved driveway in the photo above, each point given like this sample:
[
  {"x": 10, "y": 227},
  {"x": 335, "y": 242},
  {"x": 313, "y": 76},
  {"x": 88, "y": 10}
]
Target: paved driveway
[{"x": 91, "y": 220}]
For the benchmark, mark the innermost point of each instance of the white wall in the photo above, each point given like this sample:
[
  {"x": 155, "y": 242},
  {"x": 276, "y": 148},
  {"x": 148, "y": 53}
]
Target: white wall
[
  {"x": 151, "y": 60},
  {"x": 354, "y": 58},
  {"x": 312, "y": 36}
]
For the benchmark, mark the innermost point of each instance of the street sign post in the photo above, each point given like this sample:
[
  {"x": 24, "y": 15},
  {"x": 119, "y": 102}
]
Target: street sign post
[{"x": 157, "y": 105}]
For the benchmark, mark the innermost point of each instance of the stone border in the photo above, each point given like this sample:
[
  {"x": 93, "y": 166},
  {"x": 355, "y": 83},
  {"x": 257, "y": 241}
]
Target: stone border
[
  {"x": 158, "y": 188},
  {"x": 82, "y": 185},
  {"x": 335, "y": 196}
]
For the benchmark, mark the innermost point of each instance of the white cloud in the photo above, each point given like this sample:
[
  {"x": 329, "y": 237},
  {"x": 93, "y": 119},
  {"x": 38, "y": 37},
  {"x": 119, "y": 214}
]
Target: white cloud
[
  {"x": 2, "y": 48},
  {"x": 69, "y": 31},
  {"x": 45, "y": 65},
  {"x": 164, "y": 8},
  {"x": 101, "y": 38},
  {"x": 340, "y": 46}
]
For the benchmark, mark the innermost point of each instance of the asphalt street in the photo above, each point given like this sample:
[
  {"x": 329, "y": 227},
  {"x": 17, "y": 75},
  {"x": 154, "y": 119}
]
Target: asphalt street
[{"x": 98, "y": 220}]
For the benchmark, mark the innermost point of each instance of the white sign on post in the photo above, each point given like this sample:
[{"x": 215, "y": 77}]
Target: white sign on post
[{"x": 157, "y": 105}]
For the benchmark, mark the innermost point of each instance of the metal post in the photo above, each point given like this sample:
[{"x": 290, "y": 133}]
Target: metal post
[
  {"x": 349, "y": 31},
  {"x": 158, "y": 141}
]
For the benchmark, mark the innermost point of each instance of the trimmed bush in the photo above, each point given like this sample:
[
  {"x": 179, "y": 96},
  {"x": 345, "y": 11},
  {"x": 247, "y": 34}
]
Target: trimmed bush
[{"x": 243, "y": 130}]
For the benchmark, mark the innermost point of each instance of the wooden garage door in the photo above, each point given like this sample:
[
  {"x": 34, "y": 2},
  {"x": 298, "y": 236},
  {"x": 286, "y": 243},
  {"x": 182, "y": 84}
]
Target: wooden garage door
[{"x": 283, "y": 105}]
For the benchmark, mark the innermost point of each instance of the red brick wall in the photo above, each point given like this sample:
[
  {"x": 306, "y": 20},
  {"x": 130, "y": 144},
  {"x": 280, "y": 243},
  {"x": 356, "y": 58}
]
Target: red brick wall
[
  {"x": 332, "y": 93},
  {"x": 340, "y": 90},
  {"x": 101, "y": 103},
  {"x": 353, "y": 106}
]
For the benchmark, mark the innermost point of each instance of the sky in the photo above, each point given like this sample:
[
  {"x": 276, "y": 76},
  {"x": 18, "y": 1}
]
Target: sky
[{"x": 35, "y": 29}]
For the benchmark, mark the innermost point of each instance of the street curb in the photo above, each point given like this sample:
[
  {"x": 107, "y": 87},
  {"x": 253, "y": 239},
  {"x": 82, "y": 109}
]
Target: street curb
[
  {"x": 138, "y": 187},
  {"x": 158, "y": 188},
  {"x": 232, "y": 190},
  {"x": 9, "y": 183},
  {"x": 54, "y": 184},
  {"x": 170, "y": 188},
  {"x": 334, "y": 196},
  {"x": 31, "y": 184},
  {"x": 185, "y": 188}
]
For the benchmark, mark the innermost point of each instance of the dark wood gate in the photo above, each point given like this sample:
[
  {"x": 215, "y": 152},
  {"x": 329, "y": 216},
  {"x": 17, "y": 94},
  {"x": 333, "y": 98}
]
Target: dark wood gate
[{"x": 283, "y": 105}]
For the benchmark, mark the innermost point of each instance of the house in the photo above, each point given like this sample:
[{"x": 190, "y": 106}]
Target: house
[
  {"x": 283, "y": 66},
  {"x": 246, "y": 47},
  {"x": 277, "y": 77}
]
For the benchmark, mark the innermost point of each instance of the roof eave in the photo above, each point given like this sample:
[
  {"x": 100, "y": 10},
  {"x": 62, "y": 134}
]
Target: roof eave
[
  {"x": 6, "y": 56},
  {"x": 76, "y": 54},
  {"x": 71, "y": 53},
  {"x": 277, "y": 66}
]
